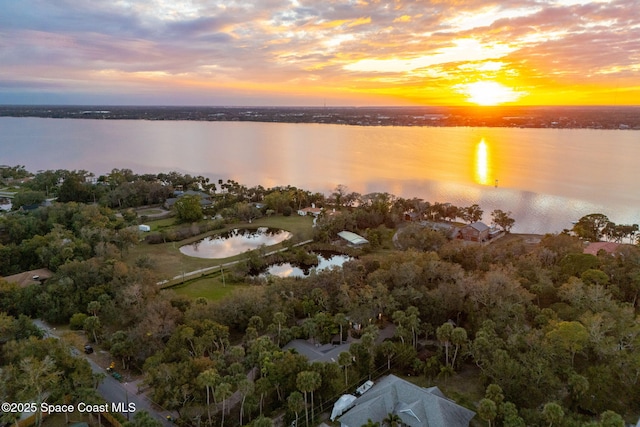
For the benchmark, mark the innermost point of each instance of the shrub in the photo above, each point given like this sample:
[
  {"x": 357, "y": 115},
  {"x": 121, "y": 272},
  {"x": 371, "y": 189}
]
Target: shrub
[{"x": 76, "y": 322}]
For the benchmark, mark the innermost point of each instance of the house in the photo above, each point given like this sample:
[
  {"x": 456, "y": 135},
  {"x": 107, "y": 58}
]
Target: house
[
  {"x": 412, "y": 216},
  {"x": 205, "y": 199},
  {"x": 594, "y": 247},
  {"x": 416, "y": 406},
  {"x": 475, "y": 232},
  {"x": 310, "y": 211},
  {"x": 32, "y": 277}
]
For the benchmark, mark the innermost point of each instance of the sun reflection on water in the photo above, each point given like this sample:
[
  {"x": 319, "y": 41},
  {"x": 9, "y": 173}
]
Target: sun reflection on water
[{"x": 482, "y": 163}]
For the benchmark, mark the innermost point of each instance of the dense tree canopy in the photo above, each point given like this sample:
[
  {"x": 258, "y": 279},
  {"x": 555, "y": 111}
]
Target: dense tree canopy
[{"x": 551, "y": 333}]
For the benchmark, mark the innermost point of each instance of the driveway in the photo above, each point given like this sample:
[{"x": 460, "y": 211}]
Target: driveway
[{"x": 113, "y": 391}]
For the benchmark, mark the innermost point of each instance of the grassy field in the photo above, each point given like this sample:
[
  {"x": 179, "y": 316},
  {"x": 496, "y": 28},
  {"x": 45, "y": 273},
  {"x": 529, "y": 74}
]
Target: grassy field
[
  {"x": 170, "y": 262},
  {"x": 211, "y": 287},
  {"x": 150, "y": 211}
]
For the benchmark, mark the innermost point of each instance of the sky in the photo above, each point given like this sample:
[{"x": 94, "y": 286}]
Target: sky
[{"x": 320, "y": 52}]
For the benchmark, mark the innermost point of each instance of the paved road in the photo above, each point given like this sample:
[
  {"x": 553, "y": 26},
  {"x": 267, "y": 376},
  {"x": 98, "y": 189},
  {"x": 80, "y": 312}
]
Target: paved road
[{"x": 112, "y": 390}]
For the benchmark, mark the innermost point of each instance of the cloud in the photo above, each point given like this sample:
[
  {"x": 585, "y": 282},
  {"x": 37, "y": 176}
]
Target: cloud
[{"x": 350, "y": 48}]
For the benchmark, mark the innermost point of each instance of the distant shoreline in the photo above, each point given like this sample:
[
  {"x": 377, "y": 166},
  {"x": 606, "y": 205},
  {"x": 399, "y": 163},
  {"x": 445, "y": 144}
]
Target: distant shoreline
[{"x": 556, "y": 117}]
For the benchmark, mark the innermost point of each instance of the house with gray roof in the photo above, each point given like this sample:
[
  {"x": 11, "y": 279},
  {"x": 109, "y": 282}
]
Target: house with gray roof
[
  {"x": 416, "y": 406},
  {"x": 205, "y": 199},
  {"x": 475, "y": 232}
]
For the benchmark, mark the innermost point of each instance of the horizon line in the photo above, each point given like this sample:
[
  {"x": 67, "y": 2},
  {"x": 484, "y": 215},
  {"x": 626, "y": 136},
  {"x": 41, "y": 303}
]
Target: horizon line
[{"x": 329, "y": 106}]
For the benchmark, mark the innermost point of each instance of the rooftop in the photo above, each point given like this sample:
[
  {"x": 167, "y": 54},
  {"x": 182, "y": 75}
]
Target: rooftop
[{"x": 353, "y": 238}]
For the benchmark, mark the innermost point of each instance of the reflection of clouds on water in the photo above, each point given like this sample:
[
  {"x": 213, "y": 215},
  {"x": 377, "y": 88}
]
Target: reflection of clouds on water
[
  {"x": 324, "y": 262},
  {"x": 234, "y": 242},
  {"x": 286, "y": 270}
]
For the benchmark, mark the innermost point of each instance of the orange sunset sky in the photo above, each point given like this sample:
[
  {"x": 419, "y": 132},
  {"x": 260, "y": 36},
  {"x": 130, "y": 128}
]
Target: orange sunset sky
[{"x": 310, "y": 52}]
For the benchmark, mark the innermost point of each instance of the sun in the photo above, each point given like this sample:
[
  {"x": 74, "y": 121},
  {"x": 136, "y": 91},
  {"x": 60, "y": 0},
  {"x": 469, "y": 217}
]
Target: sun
[{"x": 488, "y": 93}]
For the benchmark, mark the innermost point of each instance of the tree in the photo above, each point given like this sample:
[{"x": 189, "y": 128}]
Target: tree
[
  {"x": 279, "y": 319},
  {"x": 503, "y": 219},
  {"x": 92, "y": 325},
  {"x": 510, "y": 415},
  {"x": 223, "y": 391},
  {"x": 392, "y": 420},
  {"x": 308, "y": 381},
  {"x": 471, "y": 213},
  {"x": 26, "y": 198},
  {"x": 246, "y": 387},
  {"x": 188, "y": 208},
  {"x": 262, "y": 421},
  {"x": 74, "y": 188},
  {"x": 591, "y": 227},
  {"x": 341, "y": 320},
  {"x": 295, "y": 403},
  {"x": 209, "y": 379},
  {"x": 568, "y": 336},
  {"x": 247, "y": 212},
  {"x": 339, "y": 193},
  {"x": 123, "y": 347},
  {"x": 458, "y": 339},
  {"x": 611, "y": 419},
  {"x": 388, "y": 350},
  {"x": 142, "y": 419},
  {"x": 38, "y": 378},
  {"x": 487, "y": 410},
  {"x": 552, "y": 413},
  {"x": 345, "y": 359},
  {"x": 443, "y": 333}
]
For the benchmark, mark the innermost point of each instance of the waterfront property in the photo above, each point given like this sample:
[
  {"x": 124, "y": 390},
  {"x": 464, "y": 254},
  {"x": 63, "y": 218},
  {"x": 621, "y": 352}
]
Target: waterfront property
[{"x": 475, "y": 232}]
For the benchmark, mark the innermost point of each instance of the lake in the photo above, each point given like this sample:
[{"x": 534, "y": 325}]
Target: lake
[{"x": 545, "y": 177}]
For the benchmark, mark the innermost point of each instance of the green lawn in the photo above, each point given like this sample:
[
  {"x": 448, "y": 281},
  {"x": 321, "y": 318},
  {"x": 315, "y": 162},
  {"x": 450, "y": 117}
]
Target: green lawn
[
  {"x": 170, "y": 262},
  {"x": 210, "y": 287},
  {"x": 150, "y": 211}
]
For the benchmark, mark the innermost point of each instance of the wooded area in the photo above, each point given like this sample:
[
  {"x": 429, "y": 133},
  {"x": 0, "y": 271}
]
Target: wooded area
[{"x": 549, "y": 334}]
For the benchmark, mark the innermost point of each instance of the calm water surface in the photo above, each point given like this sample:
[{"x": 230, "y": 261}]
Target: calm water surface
[
  {"x": 287, "y": 269},
  {"x": 546, "y": 177},
  {"x": 234, "y": 242}
]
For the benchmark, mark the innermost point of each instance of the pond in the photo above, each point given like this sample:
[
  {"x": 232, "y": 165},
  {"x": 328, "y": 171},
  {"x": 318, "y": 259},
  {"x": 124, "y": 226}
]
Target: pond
[
  {"x": 234, "y": 242},
  {"x": 325, "y": 261}
]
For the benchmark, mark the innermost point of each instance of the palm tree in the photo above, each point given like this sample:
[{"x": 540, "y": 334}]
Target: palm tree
[
  {"x": 388, "y": 350},
  {"x": 308, "y": 381},
  {"x": 262, "y": 421},
  {"x": 392, "y": 420},
  {"x": 552, "y": 413},
  {"x": 223, "y": 391},
  {"x": 345, "y": 359},
  {"x": 342, "y": 321},
  {"x": 246, "y": 387},
  {"x": 209, "y": 379},
  {"x": 280, "y": 318},
  {"x": 296, "y": 403}
]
